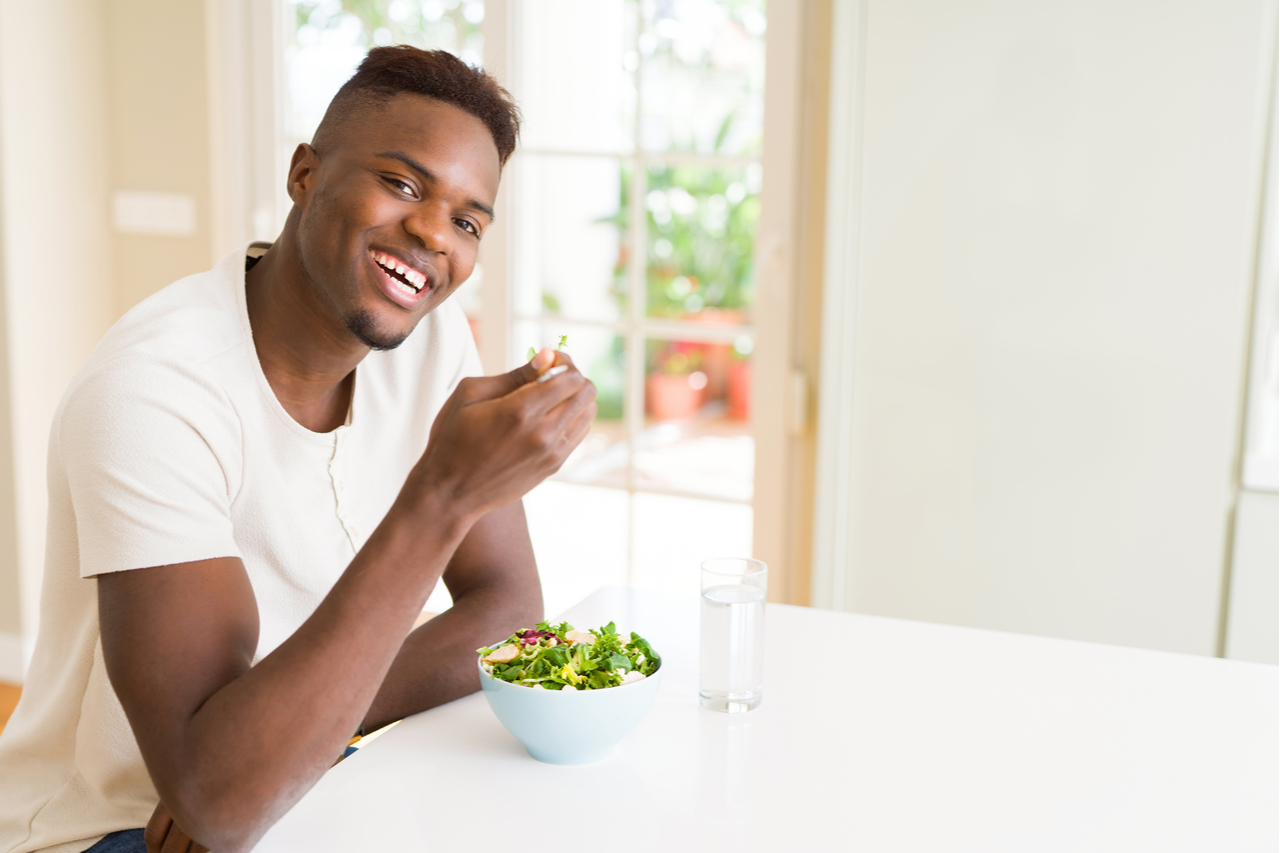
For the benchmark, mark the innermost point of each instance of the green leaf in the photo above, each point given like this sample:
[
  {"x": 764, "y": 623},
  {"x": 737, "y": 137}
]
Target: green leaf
[
  {"x": 621, "y": 662},
  {"x": 532, "y": 352},
  {"x": 643, "y": 645}
]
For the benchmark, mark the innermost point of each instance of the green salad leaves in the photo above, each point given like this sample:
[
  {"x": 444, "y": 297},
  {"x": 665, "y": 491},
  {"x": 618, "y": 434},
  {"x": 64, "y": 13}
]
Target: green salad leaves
[
  {"x": 564, "y": 341},
  {"x": 557, "y": 657}
]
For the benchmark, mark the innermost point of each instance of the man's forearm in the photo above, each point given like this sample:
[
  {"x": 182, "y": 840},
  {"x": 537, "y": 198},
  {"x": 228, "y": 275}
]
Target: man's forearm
[
  {"x": 437, "y": 662},
  {"x": 494, "y": 582},
  {"x": 289, "y": 716}
]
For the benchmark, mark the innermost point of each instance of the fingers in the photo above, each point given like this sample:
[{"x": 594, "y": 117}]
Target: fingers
[
  {"x": 162, "y": 835},
  {"x": 478, "y": 388},
  {"x": 157, "y": 829},
  {"x": 535, "y": 399},
  {"x": 176, "y": 841}
]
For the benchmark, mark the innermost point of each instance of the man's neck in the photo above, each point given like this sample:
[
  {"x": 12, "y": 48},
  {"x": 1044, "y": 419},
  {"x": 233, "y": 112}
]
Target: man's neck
[{"x": 307, "y": 354}]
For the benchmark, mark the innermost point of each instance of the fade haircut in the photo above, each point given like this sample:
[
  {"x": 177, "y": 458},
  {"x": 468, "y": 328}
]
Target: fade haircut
[{"x": 437, "y": 74}]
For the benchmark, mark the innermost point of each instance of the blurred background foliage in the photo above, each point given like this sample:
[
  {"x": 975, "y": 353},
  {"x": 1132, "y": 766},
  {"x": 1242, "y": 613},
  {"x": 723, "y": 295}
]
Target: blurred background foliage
[{"x": 452, "y": 25}]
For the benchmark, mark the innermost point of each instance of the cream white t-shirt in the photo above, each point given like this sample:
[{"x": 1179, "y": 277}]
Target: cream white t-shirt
[{"x": 169, "y": 446}]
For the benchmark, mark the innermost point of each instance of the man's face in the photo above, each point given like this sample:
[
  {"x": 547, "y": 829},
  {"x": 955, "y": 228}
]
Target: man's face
[{"x": 392, "y": 213}]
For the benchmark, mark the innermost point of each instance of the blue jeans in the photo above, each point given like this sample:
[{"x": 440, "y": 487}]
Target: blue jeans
[{"x": 124, "y": 841}]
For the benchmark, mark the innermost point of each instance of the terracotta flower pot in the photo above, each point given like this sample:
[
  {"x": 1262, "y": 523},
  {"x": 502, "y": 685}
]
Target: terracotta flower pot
[
  {"x": 715, "y": 357},
  {"x": 740, "y": 390},
  {"x": 671, "y": 398}
]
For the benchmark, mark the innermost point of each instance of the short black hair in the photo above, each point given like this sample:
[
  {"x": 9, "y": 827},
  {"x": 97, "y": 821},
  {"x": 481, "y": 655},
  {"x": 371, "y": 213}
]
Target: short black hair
[{"x": 438, "y": 74}]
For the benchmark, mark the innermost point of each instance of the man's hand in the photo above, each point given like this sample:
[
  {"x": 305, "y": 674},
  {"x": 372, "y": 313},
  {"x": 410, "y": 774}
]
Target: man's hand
[
  {"x": 164, "y": 836},
  {"x": 499, "y": 436}
]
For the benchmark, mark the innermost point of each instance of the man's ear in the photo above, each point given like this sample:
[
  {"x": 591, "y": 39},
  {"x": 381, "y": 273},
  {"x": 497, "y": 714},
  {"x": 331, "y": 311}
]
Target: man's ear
[{"x": 302, "y": 171}]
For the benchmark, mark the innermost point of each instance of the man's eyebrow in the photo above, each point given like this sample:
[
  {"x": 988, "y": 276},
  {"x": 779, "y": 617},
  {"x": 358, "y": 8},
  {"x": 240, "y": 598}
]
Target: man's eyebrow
[{"x": 427, "y": 176}]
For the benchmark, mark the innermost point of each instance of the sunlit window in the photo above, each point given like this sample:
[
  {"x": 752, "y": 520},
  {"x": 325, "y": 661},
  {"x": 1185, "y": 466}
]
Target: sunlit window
[{"x": 636, "y": 202}]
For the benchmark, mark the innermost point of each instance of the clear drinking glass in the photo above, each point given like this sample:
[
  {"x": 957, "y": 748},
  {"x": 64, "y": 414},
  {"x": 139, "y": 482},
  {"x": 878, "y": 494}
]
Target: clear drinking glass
[{"x": 731, "y": 671}]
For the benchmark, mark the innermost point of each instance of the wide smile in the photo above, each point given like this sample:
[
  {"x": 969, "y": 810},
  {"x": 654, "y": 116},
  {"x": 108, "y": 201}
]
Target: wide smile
[{"x": 405, "y": 284}]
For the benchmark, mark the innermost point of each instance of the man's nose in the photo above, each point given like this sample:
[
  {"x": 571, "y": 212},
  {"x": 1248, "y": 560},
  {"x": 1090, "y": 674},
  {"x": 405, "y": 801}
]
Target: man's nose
[{"x": 432, "y": 225}]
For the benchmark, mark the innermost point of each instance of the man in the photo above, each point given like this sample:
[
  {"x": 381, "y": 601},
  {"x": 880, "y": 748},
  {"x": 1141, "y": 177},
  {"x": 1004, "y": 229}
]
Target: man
[{"x": 243, "y": 522}]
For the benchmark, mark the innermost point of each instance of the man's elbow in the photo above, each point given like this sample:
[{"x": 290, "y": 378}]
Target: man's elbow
[{"x": 229, "y": 820}]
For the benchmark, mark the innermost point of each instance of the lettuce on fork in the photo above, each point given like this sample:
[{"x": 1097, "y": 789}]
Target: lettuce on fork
[{"x": 558, "y": 657}]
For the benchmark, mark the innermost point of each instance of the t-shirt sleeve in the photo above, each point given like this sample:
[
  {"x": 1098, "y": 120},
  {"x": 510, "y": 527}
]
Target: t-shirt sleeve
[{"x": 150, "y": 454}]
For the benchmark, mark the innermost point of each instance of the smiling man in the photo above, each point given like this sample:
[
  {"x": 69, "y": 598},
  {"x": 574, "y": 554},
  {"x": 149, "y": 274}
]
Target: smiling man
[{"x": 260, "y": 475}]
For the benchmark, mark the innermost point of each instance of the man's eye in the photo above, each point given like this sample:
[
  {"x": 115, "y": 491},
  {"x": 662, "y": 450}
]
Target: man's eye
[
  {"x": 400, "y": 185},
  {"x": 468, "y": 226}
]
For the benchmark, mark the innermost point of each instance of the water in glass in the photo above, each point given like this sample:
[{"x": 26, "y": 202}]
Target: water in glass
[{"x": 732, "y": 647}]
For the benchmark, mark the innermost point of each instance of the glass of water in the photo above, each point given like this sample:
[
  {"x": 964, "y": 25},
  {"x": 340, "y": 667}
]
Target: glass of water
[{"x": 731, "y": 671}]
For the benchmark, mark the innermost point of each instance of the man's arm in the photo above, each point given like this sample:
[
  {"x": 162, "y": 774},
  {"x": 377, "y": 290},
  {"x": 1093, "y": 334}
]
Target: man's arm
[
  {"x": 232, "y": 746},
  {"x": 494, "y": 583}
]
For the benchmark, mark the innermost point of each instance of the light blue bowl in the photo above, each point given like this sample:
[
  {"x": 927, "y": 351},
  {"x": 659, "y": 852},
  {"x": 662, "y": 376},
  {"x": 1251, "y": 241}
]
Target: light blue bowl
[{"x": 569, "y": 726}]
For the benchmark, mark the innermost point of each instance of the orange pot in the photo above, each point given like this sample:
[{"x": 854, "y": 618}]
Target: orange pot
[
  {"x": 670, "y": 398},
  {"x": 740, "y": 390}
]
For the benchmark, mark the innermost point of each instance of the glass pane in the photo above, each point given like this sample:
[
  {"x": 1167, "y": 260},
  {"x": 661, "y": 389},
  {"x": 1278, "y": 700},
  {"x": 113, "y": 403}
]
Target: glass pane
[
  {"x": 702, "y": 76},
  {"x": 580, "y": 540},
  {"x": 701, "y": 242},
  {"x": 568, "y": 237},
  {"x": 330, "y": 37},
  {"x": 697, "y": 436},
  {"x": 673, "y": 535},
  {"x": 572, "y": 79}
]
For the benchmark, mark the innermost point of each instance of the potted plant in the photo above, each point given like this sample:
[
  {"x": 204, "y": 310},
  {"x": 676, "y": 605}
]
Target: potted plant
[{"x": 674, "y": 385}]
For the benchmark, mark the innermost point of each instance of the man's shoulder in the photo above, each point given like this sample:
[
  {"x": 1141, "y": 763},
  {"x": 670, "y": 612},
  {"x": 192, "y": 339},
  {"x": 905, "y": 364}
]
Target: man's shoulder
[
  {"x": 194, "y": 319},
  {"x": 169, "y": 345}
]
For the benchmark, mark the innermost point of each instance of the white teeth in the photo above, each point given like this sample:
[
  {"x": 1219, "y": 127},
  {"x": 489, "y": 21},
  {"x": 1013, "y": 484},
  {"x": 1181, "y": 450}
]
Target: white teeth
[{"x": 416, "y": 278}]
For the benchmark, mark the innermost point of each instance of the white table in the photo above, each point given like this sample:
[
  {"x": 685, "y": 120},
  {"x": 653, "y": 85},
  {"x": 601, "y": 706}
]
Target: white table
[{"x": 875, "y": 735}]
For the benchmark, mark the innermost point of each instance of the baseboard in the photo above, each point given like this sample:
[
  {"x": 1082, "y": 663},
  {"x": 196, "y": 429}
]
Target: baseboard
[{"x": 13, "y": 663}]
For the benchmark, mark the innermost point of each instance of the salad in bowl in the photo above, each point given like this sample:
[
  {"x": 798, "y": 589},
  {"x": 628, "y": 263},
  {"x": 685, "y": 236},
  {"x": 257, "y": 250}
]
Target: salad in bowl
[
  {"x": 555, "y": 656},
  {"x": 613, "y": 679}
]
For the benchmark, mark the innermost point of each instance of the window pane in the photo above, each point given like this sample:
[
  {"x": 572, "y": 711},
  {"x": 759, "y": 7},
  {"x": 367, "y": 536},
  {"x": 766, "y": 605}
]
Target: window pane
[
  {"x": 702, "y": 76},
  {"x": 701, "y": 241},
  {"x": 697, "y": 413},
  {"x": 330, "y": 38},
  {"x": 571, "y": 78},
  {"x": 568, "y": 237},
  {"x": 674, "y": 535}
]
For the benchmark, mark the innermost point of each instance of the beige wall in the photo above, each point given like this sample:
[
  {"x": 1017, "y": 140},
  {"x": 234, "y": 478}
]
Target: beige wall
[
  {"x": 95, "y": 96},
  {"x": 10, "y": 589},
  {"x": 159, "y": 136},
  {"x": 57, "y": 251}
]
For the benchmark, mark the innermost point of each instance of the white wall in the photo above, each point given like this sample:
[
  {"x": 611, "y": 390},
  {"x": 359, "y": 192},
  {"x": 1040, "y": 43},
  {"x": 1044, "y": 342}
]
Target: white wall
[{"x": 1041, "y": 245}]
